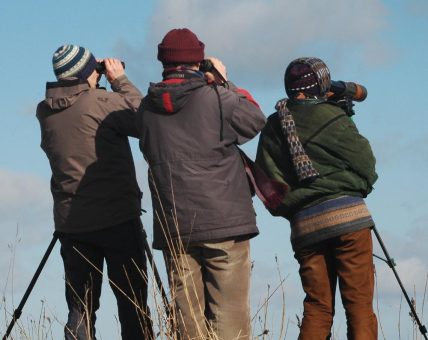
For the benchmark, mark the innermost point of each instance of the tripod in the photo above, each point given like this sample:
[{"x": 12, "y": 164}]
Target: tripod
[
  {"x": 391, "y": 264},
  {"x": 18, "y": 311},
  {"x": 158, "y": 280}
]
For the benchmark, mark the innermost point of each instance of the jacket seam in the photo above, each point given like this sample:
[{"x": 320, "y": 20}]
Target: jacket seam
[{"x": 323, "y": 127}]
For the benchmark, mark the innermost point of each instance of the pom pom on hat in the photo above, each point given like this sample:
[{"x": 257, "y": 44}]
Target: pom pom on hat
[
  {"x": 180, "y": 46},
  {"x": 73, "y": 61}
]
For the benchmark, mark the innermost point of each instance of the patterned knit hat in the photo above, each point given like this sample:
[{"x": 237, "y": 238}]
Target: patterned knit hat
[
  {"x": 180, "y": 46},
  {"x": 73, "y": 61},
  {"x": 308, "y": 75}
]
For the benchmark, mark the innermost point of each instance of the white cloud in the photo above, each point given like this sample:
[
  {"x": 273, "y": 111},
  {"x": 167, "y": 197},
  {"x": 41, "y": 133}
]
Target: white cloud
[
  {"x": 412, "y": 273},
  {"x": 26, "y": 225},
  {"x": 22, "y": 196},
  {"x": 21, "y": 192},
  {"x": 259, "y": 38},
  {"x": 25, "y": 210}
]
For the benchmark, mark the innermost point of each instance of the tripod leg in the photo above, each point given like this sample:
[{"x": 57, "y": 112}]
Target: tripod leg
[
  {"x": 173, "y": 332},
  {"x": 391, "y": 264},
  {"x": 18, "y": 311},
  {"x": 155, "y": 271}
]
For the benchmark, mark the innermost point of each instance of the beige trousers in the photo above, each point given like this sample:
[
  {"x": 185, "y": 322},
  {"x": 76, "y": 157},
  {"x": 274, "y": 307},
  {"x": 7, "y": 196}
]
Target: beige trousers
[{"x": 210, "y": 288}]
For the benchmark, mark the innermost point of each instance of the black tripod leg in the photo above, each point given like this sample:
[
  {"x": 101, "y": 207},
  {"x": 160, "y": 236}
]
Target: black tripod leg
[
  {"x": 155, "y": 271},
  {"x": 391, "y": 264},
  {"x": 18, "y": 311},
  {"x": 149, "y": 254}
]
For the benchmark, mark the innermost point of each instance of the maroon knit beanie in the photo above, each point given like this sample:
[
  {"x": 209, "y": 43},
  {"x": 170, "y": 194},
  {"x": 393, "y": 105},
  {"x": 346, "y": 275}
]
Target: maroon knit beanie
[
  {"x": 180, "y": 46},
  {"x": 308, "y": 75}
]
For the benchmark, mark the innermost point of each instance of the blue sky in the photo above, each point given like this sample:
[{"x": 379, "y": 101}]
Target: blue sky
[{"x": 380, "y": 44}]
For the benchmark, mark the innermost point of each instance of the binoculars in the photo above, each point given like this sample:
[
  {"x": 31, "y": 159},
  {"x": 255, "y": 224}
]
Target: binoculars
[
  {"x": 101, "y": 67},
  {"x": 207, "y": 66}
]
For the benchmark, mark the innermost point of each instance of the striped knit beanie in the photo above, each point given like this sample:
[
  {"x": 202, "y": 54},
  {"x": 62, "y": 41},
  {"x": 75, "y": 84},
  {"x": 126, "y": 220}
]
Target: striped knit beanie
[
  {"x": 180, "y": 46},
  {"x": 73, "y": 61}
]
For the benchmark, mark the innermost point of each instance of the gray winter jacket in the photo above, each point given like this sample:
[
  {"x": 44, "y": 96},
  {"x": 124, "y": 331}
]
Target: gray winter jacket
[
  {"x": 197, "y": 179},
  {"x": 84, "y": 135}
]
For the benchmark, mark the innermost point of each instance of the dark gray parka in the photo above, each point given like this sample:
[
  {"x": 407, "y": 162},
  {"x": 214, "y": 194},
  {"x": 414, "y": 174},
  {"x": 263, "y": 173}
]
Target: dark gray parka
[{"x": 190, "y": 130}]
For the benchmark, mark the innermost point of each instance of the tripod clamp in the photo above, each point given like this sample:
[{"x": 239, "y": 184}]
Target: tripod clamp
[{"x": 391, "y": 263}]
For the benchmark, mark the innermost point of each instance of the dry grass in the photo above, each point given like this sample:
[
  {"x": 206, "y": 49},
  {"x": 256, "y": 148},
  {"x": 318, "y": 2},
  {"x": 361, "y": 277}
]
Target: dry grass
[
  {"x": 165, "y": 318},
  {"x": 165, "y": 321}
]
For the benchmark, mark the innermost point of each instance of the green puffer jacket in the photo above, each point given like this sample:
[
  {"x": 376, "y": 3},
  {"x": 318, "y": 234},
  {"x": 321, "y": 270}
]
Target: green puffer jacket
[{"x": 341, "y": 155}]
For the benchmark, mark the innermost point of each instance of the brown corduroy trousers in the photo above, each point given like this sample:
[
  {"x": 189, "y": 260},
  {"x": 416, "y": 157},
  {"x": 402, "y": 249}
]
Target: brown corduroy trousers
[
  {"x": 210, "y": 288},
  {"x": 348, "y": 260}
]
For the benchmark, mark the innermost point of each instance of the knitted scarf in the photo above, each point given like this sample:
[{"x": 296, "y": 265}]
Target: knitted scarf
[{"x": 302, "y": 164}]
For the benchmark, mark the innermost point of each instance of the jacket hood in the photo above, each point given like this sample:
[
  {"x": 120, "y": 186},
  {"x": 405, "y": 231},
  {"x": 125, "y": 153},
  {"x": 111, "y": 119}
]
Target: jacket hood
[
  {"x": 62, "y": 94},
  {"x": 170, "y": 96}
]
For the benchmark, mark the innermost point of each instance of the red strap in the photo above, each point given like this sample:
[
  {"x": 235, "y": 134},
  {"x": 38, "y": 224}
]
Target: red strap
[
  {"x": 167, "y": 102},
  {"x": 247, "y": 95},
  {"x": 173, "y": 81}
]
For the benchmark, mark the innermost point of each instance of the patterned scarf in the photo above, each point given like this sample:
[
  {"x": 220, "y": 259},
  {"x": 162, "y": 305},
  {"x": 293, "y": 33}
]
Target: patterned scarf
[{"x": 302, "y": 164}]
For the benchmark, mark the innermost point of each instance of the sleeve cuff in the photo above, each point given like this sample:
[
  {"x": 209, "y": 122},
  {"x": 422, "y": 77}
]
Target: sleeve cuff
[{"x": 116, "y": 84}]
